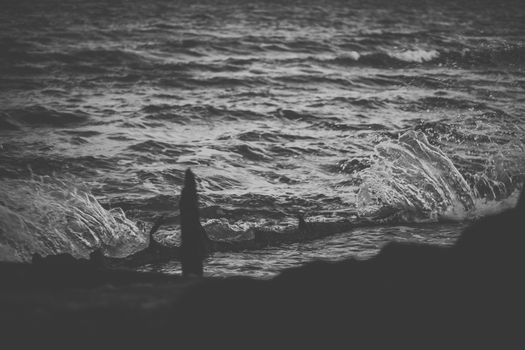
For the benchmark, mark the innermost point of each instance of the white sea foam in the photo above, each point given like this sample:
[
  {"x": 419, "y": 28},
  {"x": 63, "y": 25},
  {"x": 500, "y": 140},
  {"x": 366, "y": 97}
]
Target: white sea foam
[
  {"x": 354, "y": 55},
  {"x": 413, "y": 181},
  {"x": 50, "y": 216},
  {"x": 412, "y": 178},
  {"x": 417, "y": 55}
]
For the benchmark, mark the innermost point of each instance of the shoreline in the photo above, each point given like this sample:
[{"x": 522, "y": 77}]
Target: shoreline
[
  {"x": 157, "y": 252},
  {"x": 469, "y": 294}
]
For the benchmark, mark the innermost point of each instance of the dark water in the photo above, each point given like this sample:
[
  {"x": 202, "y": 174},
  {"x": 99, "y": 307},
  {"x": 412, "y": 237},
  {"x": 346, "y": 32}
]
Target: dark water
[
  {"x": 398, "y": 111},
  {"x": 360, "y": 243}
]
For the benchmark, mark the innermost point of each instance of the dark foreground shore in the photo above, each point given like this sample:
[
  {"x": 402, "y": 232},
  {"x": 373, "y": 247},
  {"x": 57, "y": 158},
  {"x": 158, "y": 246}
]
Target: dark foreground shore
[{"x": 470, "y": 295}]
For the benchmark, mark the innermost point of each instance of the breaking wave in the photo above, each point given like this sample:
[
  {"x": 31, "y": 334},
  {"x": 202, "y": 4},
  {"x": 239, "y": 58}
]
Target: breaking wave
[
  {"x": 418, "y": 55},
  {"x": 484, "y": 56},
  {"x": 50, "y": 216},
  {"x": 410, "y": 180}
]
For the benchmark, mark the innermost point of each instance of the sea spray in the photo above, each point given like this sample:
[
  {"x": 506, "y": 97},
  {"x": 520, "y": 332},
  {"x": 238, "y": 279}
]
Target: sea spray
[
  {"x": 412, "y": 180},
  {"x": 50, "y": 216}
]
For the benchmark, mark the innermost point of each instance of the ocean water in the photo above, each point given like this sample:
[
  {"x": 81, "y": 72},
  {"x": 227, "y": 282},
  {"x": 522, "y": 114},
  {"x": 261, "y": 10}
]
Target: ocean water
[{"x": 403, "y": 113}]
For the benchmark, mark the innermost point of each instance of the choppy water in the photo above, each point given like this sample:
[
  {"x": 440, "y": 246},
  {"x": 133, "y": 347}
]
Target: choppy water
[{"x": 400, "y": 111}]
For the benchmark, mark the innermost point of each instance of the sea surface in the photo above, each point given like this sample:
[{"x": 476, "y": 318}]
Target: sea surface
[{"x": 409, "y": 114}]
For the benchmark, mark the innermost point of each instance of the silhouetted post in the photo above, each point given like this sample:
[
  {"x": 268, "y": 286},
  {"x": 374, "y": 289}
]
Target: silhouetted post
[
  {"x": 153, "y": 244},
  {"x": 521, "y": 201},
  {"x": 303, "y": 227},
  {"x": 193, "y": 236}
]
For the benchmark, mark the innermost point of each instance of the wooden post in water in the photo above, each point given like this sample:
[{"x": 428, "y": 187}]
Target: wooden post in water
[{"x": 193, "y": 236}]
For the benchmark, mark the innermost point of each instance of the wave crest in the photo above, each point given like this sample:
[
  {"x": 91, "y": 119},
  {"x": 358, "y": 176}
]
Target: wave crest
[
  {"x": 412, "y": 180},
  {"x": 51, "y": 216},
  {"x": 418, "y": 55}
]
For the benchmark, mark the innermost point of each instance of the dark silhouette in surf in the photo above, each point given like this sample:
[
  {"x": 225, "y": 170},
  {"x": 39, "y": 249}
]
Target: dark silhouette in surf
[
  {"x": 194, "y": 240},
  {"x": 153, "y": 244},
  {"x": 303, "y": 225}
]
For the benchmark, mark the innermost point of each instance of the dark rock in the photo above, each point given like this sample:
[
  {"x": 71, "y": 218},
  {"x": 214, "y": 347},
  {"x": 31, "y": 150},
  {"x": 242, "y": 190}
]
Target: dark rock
[
  {"x": 469, "y": 295},
  {"x": 408, "y": 295}
]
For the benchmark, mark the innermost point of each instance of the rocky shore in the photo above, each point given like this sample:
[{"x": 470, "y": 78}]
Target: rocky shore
[{"x": 469, "y": 295}]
